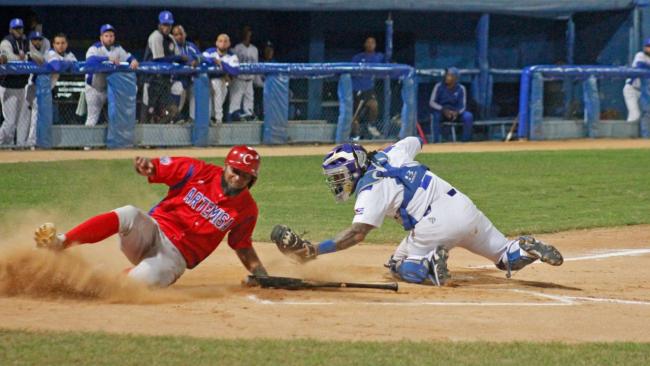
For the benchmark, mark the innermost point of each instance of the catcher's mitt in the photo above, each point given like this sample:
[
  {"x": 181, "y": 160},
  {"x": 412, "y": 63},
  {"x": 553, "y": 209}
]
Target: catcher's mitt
[{"x": 292, "y": 244}]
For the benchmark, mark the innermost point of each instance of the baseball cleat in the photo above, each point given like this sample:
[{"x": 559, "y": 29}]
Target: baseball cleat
[
  {"x": 544, "y": 252},
  {"x": 439, "y": 271},
  {"x": 374, "y": 131},
  {"x": 46, "y": 237}
]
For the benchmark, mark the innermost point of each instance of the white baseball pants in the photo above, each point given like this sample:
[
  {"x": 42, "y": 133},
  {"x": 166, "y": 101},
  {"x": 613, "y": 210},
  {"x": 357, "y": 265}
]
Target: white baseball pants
[
  {"x": 157, "y": 261},
  {"x": 95, "y": 100},
  {"x": 632, "y": 96},
  {"x": 242, "y": 91},
  {"x": 16, "y": 116},
  {"x": 219, "y": 93}
]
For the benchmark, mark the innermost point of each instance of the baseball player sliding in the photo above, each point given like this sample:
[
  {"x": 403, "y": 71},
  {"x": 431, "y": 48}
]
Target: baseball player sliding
[
  {"x": 204, "y": 203},
  {"x": 437, "y": 216},
  {"x": 106, "y": 50}
]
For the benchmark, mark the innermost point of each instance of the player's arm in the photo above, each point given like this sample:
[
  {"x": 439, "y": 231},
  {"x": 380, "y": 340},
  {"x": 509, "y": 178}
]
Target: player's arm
[
  {"x": 251, "y": 261},
  {"x": 351, "y": 236},
  {"x": 434, "y": 96},
  {"x": 231, "y": 67}
]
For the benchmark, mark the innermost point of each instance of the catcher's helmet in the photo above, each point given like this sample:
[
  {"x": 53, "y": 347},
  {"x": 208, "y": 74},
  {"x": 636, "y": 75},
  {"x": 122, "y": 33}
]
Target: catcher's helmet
[
  {"x": 246, "y": 159},
  {"x": 343, "y": 167}
]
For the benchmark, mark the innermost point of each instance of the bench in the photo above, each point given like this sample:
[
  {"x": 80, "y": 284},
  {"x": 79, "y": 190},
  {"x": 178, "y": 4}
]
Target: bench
[{"x": 502, "y": 123}]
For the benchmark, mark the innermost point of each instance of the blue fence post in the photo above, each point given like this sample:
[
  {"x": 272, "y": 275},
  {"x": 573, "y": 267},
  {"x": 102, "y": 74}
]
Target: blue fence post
[
  {"x": 592, "y": 105},
  {"x": 344, "y": 125},
  {"x": 276, "y": 109},
  {"x": 409, "y": 111},
  {"x": 536, "y": 105},
  {"x": 201, "y": 130},
  {"x": 44, "y": 106},
  {"x": 644, "y": 103},
  {"x": 483, "y": 37},
  {"x": 122, "y": 90},
  {"x": 567, "y": 82},
  {"x": 387, "y": 90}
]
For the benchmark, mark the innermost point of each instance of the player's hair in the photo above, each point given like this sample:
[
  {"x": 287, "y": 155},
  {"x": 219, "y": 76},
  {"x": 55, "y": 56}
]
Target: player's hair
[{"x": 60, "y": 35}]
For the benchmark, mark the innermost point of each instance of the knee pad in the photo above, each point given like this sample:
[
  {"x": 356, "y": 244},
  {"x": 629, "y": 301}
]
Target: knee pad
[
  {"x": 514, "y": 259},
  {"x": 413, "y": 269}
]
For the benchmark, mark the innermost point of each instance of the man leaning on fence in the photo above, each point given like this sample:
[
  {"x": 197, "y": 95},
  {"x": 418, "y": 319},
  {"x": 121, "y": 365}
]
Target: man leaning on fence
[
  {"x": 365, "y": 98},
  {"x": 182, "y": 92},
  {"x": 106, "y": 50},
  {"x": 632, "y": 88},
  {"x": 449, "y": 103},
  {"x": 14, "y": 47}
]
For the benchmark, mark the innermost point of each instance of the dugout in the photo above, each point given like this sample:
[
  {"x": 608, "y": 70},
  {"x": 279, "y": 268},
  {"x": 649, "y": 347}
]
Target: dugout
[{"x": 494, "y": 40}]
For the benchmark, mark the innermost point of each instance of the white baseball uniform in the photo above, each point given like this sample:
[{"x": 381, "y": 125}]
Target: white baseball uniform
[
  {"x": 14, "y": 105},
  {"x": 632, "y": 88},
  {"x": 446, "y": 217},
  {"x": 242, "y": 86},
  {"x": 96, "y": 83},
  {"x": 51, "y": 56},
  {"x": 219, "y": 84}
]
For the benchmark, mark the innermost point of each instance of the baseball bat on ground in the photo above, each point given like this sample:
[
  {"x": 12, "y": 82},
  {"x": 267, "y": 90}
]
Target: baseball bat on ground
[{"x": 288, "y": 283}]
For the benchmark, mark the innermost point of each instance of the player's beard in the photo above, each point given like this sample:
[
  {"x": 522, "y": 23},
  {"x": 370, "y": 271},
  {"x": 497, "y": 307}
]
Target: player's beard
[{"x": 227, "y": 189}]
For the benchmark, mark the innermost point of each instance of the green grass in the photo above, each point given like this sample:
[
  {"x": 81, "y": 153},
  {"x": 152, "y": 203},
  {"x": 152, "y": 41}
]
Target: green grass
[
  {"x": 28, "y": 348},
  {"x": 521, "y": 192}
]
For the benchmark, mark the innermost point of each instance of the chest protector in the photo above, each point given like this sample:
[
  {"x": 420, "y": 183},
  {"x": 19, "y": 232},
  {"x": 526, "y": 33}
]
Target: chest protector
[{"x": 411, "y": 176}]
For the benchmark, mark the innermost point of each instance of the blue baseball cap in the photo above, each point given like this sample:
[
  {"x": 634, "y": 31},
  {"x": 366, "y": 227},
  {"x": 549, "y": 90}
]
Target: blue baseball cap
[
  {"x": 105, "y": 28},
  {"x": 16, "y": 23},
  {"x": 35, "y": 35},
  {"x": 646, "y": 43},
  {"x": 166, "y": 17},
  {"x": 453, "y": 71}
]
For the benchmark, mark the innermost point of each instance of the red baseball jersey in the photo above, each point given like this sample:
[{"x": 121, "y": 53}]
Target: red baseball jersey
[{"x": 196, "y": 214}]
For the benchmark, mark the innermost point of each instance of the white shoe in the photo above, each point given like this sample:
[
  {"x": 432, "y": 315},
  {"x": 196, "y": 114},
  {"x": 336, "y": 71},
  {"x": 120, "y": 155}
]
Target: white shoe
[
  {"x": 374, "y": 131},
  {"x": 46, "y": 237}
]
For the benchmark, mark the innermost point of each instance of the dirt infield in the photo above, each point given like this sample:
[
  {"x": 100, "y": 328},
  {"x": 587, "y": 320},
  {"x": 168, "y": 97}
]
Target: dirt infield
[
  {"x": 601, "y": 293},
  {"x": 7, "y": 156}
]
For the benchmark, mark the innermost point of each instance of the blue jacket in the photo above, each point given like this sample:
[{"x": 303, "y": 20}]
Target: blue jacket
[
  {"x": 443, "y": 97},
  {"x": 363, "y": 83}
]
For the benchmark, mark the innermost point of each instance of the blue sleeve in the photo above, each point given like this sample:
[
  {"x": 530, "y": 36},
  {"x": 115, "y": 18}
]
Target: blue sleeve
[
  {"x": 231, "y": 70},
  {"x": 59, "y": 65},
  {"x": 460, "y": 102},
  {"x": 95, "y": 60},
  {"x": 642, "y": 65},
  {"x": 130, "y": 59}
]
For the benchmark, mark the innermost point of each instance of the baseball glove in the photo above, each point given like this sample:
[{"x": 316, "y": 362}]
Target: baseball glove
[{"x": 292, "y": 244}]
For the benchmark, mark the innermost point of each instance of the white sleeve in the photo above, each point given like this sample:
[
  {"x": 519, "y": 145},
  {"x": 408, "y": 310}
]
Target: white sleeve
[
  {"x": 371, "y": 205},
  {"x": 155, "y": 43},
  {"x": 432, "y": 100},
  {"x": 637, "y": 58},
  {"x": 92, "y": 51},
  {"x": 124, "y": 56},
  {"x": 51, "y": 55},
  {"x": 410, "y": 146},
  {"x": 234, "y": 61},
  {"x": 255, "y": 55},
  {"x": 8, "y": 51},
  {"x": 71, "y": 57}
]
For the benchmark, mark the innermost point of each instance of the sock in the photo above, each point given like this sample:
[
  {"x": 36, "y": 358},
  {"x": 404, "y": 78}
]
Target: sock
[{"x": 93, "y": 230}]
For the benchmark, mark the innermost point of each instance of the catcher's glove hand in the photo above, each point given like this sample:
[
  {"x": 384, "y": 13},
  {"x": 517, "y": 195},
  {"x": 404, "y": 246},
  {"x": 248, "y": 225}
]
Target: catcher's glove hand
[{"x": 292, "y": 244}]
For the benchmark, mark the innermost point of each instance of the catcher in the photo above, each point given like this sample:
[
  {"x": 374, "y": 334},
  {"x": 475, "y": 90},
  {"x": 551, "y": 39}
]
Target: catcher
[
  {"x": 437, "y": 216},
  {"x": 204, "y": 203}
]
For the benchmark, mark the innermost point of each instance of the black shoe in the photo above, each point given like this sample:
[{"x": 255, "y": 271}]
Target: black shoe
[{"x": 544, "y": 252}]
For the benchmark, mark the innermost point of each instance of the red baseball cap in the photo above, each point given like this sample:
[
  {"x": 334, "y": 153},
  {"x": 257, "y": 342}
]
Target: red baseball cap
[{"x": 244, "y": 158}]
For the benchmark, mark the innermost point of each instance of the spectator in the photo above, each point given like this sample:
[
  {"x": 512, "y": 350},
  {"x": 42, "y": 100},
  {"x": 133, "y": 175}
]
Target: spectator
[
  {"x": 226, "y": 61},
  {"x": 182, "y": 84},
  {"x": 241, "y": 93},
  {"x": 632, "y": 88},
  {"x": 103, "y": 51},
  {"x": 14, "y": 47},
  {"x": 449, "y": 103},
  {"x": 267, "y": 56},
  {"x": 58, "y": 60},
  {"x": 157, "y": 103},
  {"x": 365, "y": 98},
  {"x": 38, "y": 47}
]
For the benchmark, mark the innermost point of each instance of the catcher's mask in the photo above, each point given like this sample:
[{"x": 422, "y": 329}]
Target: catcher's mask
[
  {"x": 343, "y": 167},
  {"x": 246, "y": 159}
]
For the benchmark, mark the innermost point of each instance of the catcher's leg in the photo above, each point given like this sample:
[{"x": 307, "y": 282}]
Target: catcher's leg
[
  {"x": 430, "y": 268},
  {"x": 526, "y": 250}
]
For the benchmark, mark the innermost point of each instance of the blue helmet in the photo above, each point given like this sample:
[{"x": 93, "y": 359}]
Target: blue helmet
[{"x": 343, "y": 167}]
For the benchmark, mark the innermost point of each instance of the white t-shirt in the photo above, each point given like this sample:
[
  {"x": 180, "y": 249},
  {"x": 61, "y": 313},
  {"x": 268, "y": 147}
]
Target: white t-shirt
[
  {"x": 385, "y": 197},
  {"x": 51, "y": 55},
  {"x": 248, "y": 55},
  {"x": 640, "y": 57}
]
